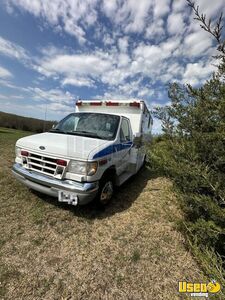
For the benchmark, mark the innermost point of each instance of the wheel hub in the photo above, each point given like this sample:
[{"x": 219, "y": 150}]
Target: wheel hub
[{"x": 107, "y": 192}]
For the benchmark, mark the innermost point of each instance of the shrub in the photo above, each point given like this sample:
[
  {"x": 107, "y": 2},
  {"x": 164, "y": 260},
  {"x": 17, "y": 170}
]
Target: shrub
[{"x": 191, "y": 151}]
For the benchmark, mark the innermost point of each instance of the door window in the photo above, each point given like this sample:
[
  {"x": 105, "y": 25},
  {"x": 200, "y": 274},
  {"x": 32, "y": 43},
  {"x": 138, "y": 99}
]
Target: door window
[{"x": 125, "y": 134}]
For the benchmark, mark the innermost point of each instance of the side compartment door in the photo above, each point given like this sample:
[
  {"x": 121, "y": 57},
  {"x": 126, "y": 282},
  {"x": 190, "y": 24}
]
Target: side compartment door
[{"x": 124, "y": 148}]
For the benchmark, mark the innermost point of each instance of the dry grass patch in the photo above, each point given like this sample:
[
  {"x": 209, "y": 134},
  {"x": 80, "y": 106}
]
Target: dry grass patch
[{"x": 131, "y": 250}]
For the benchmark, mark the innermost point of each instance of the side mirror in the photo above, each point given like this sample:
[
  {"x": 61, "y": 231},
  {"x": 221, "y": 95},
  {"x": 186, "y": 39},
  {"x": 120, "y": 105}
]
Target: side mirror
[{"x": 137, "y": 141}]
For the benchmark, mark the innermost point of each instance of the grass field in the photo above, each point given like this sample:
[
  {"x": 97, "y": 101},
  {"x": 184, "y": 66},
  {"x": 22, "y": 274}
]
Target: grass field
[{"x": 131, "y": 250}]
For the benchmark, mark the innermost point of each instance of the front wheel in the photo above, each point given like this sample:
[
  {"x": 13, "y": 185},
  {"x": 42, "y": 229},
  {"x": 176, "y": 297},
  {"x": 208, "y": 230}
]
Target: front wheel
[{"x": 105, "y": 192}]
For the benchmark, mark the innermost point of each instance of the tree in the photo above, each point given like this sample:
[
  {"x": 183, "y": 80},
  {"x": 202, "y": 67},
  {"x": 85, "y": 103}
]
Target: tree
[{"x": 192, "y": 150}]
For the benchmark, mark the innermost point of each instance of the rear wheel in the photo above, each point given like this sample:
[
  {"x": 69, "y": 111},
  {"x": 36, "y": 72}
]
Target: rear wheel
[
  {"x": 106, "y": 190},
  {"x": 143, "y": 162}
]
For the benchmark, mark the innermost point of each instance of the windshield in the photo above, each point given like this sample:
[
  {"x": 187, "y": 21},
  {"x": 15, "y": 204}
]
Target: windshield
[{"x": 95, "y": 125}]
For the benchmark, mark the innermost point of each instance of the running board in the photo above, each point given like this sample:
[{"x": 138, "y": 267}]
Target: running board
[
  {"x": 123, "y": 177},
  {"x": 132, "y": 168}
]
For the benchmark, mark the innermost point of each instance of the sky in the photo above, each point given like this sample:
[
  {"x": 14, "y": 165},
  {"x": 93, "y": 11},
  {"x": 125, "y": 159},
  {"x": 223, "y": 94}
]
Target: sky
[{"x": 55, "y": 52}]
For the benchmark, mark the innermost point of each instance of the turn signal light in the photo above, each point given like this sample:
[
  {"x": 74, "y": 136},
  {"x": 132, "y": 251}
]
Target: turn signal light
[
  {"x": 61, "y": 162},
  {"x": 24, "y": 153}
]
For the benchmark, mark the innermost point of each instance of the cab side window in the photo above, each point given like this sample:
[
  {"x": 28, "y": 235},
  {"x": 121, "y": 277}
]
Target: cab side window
[{"x": 125, "y": 134}]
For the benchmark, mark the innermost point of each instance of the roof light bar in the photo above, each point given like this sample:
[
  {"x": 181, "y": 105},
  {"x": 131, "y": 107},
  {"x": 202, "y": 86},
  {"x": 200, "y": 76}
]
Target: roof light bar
[
  {"x": 135, "y": 104},
  {"x": 109, "y": 103},
  {"x": 96, "y": 103}
]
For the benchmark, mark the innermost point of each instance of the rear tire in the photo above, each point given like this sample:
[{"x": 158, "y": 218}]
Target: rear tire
[
  {"x": 105, "y": 191},
  {"x": 144, "y": 162}
]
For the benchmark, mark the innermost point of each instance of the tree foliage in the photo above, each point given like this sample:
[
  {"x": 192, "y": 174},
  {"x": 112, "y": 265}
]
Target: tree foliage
[
  {"x": 192, "y": 148},
  {"x": 24, "y": 123}
]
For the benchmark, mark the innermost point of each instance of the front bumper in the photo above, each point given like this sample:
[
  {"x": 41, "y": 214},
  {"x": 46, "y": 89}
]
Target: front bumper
[{"x": 85, "y": 192}]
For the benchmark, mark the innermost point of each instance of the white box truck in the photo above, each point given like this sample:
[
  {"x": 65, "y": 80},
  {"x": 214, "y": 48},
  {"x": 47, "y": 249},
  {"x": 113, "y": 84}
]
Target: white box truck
[{"x": 87, "y": 153}]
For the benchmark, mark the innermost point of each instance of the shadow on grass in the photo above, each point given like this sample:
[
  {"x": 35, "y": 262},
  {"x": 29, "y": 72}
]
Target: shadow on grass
[{"x": 124, "y": 197}]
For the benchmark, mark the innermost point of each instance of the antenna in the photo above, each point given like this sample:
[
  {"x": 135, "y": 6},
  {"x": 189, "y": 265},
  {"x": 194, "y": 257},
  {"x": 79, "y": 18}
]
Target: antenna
[{"x": 46, "y": 106}]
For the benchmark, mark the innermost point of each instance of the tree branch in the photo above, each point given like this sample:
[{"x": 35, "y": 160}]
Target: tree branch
[{"x": 205, "y": 24}]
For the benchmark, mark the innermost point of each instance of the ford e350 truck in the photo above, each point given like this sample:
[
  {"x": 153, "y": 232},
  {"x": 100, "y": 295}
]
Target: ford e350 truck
[{"x": 87, "y": 153}]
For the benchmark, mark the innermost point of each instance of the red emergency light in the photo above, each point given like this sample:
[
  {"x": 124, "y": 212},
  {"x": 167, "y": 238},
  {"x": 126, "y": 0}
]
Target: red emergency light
[
  {"x": 96, "y": 103},
  {"x": 135, "y": 104},
  {"x": 110, "y": 103}
]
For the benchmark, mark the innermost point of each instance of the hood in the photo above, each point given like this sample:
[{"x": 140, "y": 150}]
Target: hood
[{"x": 61, "y": 145}]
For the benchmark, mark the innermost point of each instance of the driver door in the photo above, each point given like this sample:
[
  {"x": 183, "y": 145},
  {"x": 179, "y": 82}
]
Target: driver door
[{"x": 125, "y": 145}]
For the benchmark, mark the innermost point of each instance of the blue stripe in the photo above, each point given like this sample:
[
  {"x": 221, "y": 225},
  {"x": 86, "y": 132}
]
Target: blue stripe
[{"x": 112, "y": 149}]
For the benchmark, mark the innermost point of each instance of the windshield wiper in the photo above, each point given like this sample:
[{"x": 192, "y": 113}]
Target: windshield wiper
[
  {"x": 57, "y": 130},
  {"x": 85, "y": 133}
]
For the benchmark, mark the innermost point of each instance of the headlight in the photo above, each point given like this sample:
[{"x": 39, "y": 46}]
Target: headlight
[
  {"x": 82, "y": 168},
  {"x": 18, "y": 151},
  {"x": 92, "y": 168},
  {"x": 77, "y": 167}
]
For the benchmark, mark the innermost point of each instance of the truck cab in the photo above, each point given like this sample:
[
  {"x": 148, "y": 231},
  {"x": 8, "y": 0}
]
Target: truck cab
[{"x": 87, "y": 153}]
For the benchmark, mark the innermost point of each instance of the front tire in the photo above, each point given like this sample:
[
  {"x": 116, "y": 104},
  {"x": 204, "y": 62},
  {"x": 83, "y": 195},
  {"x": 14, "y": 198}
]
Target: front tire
[{"x": 105, "y": 192}]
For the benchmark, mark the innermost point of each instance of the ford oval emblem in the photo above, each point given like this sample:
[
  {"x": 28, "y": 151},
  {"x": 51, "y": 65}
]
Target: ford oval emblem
[{"x": 42, "y": 147}]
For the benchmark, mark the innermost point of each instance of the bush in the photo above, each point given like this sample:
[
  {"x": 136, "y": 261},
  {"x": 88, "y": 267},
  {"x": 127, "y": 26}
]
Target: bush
[{"x": 191, "y": 151}]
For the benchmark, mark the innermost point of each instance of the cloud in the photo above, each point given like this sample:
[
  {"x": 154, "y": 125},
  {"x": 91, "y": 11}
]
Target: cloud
[
  {"x": 4, "y": 73},
  {"x": 58, "y": 102},
  {"x": 175, "y": 23},
  {"x": 107, "y": 39},
  {"x": 157, "y": 62},
  {"x": 73, "y": 15},
  {"x": 127, "y": 48},
  {"x": 196, "y": 73},
  {"x": 72, "y": 67},
  {"x": 56, "y": 108},
  {"x": 85, "y": 69},
  {"x": 161, "y": 8},
  {"x": 145, "y": 92},
  {"x": 109, "y": 7},
  {"x": 12, "y": 50},
  {"x": 197, "y": 43},
  {"x": 3, "y": 97},
  {"x": 212, "y": 10},
  {"x": 153, "y": 60},
  {"x": 173, "y": 72},
  {"x": 52, "y": 95},
  {"x": 123, "y": 44},
  {"x": 9, "y": 97},
  {"x": 179, "y": 5},
  {"x": 136, "y": 13},
  {"x": 155, "y": 29},
  {"x": 78, "y": 82}
]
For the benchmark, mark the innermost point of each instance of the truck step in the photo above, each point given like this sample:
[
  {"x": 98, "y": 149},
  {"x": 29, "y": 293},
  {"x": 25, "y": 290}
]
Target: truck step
[
  {"x": 132, "y": 168},
  {"x": 123, "y": 177}
]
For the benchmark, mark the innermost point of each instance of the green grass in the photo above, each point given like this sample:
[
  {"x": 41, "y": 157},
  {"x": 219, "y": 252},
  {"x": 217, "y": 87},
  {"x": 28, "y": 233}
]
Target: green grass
[
  {"x": 136, "y": 256},
  {"x": 130, "y": 250}
]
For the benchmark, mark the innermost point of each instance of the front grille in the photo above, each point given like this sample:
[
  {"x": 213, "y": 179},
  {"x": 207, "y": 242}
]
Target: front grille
[{"x": 43, "y": 164}]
